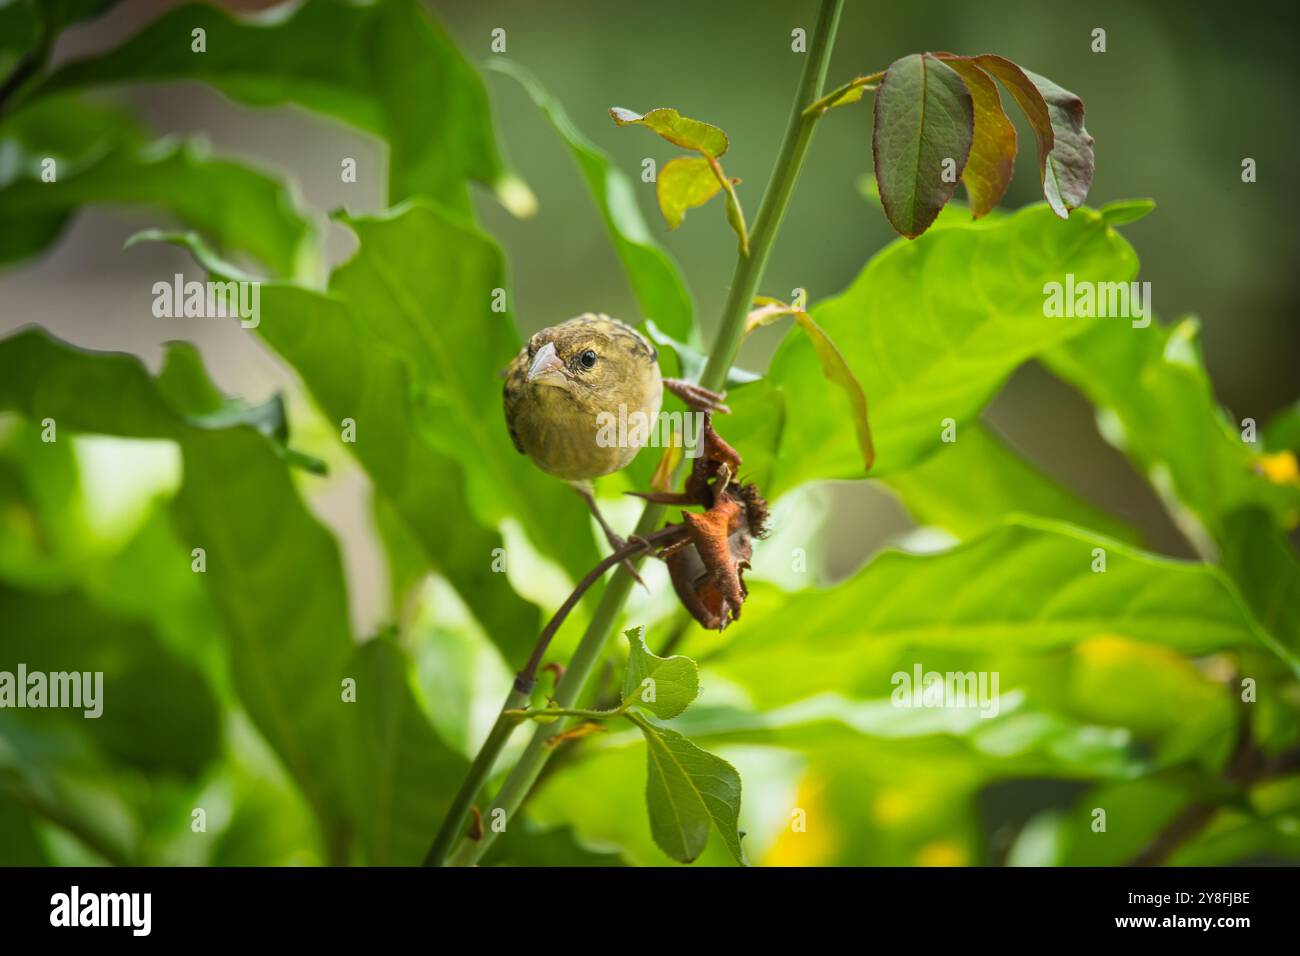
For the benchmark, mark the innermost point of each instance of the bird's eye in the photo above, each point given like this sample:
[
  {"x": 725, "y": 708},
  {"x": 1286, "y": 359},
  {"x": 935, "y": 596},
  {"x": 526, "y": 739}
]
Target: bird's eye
[{"x": 587, "y": 358}]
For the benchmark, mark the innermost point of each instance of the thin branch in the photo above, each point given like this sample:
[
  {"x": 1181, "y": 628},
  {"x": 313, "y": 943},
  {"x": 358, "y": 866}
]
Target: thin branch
[{"x": 745, "y": 281}]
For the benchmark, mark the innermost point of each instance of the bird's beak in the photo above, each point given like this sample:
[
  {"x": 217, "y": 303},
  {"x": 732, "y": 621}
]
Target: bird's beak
[{"x": 545, "y": 362}]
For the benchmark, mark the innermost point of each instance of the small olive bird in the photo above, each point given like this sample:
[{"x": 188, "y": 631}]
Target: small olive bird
[{"x": 570, "y": 386}]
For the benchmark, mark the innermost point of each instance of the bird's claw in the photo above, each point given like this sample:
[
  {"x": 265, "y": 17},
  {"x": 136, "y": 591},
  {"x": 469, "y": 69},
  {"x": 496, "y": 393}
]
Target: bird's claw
[{"x": 697, "y": 397}]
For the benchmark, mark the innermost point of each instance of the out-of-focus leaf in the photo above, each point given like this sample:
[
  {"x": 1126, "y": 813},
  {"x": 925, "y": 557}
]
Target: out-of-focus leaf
[
  {"x": 404, "y": 776},
  {"x": 677, "y": 129},
  {"x": 665, "y": 686},
  {"x": 102, "y": 158},
  {"x": 1282, "y": 433},
  {"x": 1260, "y": 560},
  {"x": 1157, "y": 405},
  {"x": 272, "y": 571},
  {"x": 992, "y": 157},
  {"x": 970, "y": 484},
  {"x": 155, "y": 712},
  {"x": 924, "y": 122},
  {"x": 931, "y": 329},
  {"x": 655, "y": 278},
  {"x": 387, "y": 68},
  {"x": 685, "y": 183},
  {"x": 689, "y": 791}
]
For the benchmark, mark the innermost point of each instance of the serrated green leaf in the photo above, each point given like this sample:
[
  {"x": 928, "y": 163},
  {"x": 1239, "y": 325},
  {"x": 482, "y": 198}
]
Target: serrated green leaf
[
  {"x": 924, "y": 123},
  {"x": 685, "y": 183},
  {"x": 992, "y": 157},
  {"x": 665, "y": 686},
  {"x": 677, "y": 129},
  {"x": 387, "y": 68},
  {"x": 654, "y": 276},
  {"x": 689, "y": 791}
]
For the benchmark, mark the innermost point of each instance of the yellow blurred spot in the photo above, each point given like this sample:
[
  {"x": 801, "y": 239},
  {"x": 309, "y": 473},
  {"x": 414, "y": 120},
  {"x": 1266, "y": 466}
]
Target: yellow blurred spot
[
  {"x": 942, "y": 853},
  {"x": 807, "y": 839},
  {"x": 1281, "y": 468},
  {"x": 892, "y": 807}
]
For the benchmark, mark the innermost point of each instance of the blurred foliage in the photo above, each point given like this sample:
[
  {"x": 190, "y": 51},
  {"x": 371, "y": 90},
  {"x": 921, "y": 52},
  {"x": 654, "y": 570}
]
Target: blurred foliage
[{"x": 243, "y": 691}]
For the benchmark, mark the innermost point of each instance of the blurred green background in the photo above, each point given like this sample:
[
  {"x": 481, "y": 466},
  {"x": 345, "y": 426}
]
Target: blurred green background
[{"x": 1182, "y": 94}]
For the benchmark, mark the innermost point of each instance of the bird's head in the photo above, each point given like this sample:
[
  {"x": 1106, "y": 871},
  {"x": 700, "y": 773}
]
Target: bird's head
[{"x": 589, "y": 356}]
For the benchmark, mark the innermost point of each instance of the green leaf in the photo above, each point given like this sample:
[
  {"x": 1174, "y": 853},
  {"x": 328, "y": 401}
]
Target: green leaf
[
  {"x": 931, "y": 329},
  {"x": 526, "y": 843},
  {"x": 924, "y": 123},
  {"x": 677, "y": 129},
  {"x": 1123, "y": 211},
  {"x": 1265, "y": 567},
  {"x": 665, "y": 686},
  {"x": 1026, "y": 585},
  {"x": 970, "y": 484},
  {"x": 272, "y": 570},
  {"x": 102, "y": 158},
  {"x": 992, "y": 157},
  {"x": 685, "y": 183},
  {"x": 1282, "y": 433},
  {"x": 386, "y": 68},
  {"x": 403, "y": 776},
  {"x": 690, "y": 360},
  {"x": 687, "y": 792},
  {"x": 156, "y": 713},
  {"x": 1156, "y": 403},
  {"x": 655, "y": 278}
]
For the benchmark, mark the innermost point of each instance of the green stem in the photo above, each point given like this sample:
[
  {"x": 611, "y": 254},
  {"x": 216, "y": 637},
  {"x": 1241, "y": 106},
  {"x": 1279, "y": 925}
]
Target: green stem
[
  {"x": 523, "y": 714},
  {"x": 745, "y": 280}
]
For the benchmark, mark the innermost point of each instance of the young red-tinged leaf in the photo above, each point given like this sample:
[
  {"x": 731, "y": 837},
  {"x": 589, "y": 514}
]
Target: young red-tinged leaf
[
  {"x": 1070, "y": 165},
  {"x": 993, "y": 149},
  {"x": 1065, "y": 161},
  {"x": 676, "y": 128},
  {"x": 684, "y": 183},
  {"x": 924, "y": 124}
]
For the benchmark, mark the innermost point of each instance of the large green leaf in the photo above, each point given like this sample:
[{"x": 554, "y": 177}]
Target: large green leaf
[
  {"x": 384, "y": 67},
  {"x": 1027, "y": 585},
  {"x": 931, "y": 329},
  {"x": 924, "y": 123},
  {"x": 654, "y": 276},
  {"x": 102, "y": 157},
  {"x": 970, "y": 484}
]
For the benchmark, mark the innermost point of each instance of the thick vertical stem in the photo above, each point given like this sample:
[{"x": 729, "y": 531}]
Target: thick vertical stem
[{"x": 745, "y": 281}]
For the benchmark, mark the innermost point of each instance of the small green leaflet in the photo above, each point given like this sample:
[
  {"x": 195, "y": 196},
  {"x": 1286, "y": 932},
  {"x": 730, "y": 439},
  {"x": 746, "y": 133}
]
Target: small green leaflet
[
  {"x": 687, "y": 791},
  {"x": 665, "y": 686}
]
